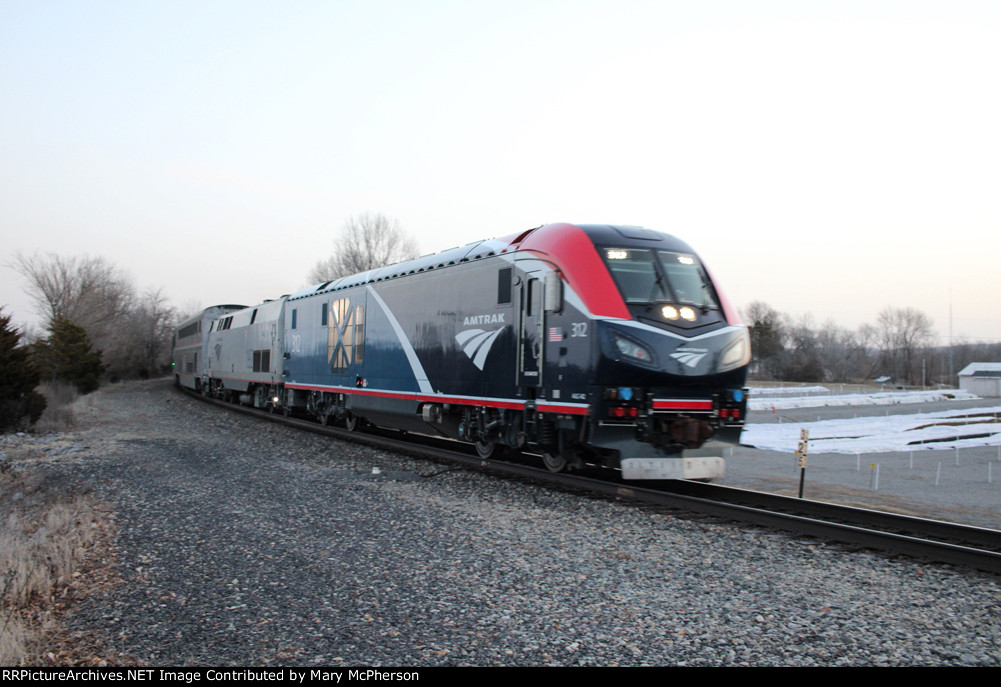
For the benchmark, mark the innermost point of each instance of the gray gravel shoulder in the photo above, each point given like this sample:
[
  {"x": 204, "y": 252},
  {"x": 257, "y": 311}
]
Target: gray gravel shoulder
[{"x": 245, "y": 543}]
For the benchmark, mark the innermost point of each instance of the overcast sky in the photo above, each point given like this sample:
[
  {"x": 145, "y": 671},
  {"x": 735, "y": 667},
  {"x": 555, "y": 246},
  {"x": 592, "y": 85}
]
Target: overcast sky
[{"x": 831, "y": 158}]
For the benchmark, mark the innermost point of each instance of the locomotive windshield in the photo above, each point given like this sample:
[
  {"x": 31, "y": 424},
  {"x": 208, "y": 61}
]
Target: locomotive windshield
[{"x": 650, "y": 276}]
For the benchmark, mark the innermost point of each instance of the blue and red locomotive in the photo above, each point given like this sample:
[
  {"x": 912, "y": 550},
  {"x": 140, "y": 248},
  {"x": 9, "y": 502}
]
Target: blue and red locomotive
[{"x": 590, "y": 344}]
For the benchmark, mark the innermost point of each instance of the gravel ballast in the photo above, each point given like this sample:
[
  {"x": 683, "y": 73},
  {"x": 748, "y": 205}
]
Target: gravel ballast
[{"x": 245, "y": 543}]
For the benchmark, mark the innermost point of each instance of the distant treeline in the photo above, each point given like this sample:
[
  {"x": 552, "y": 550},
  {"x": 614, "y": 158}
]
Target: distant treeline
[{"x": 900, "y": 345}]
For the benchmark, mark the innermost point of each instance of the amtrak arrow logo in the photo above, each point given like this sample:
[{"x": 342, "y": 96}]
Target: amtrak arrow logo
[
  {"x": 690, "y": 356},
  {"x": 476, "y": 344}
]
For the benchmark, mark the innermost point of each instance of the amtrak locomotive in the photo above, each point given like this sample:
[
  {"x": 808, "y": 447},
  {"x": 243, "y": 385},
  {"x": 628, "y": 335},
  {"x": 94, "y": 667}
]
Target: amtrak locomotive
[{"x": 589, "y": 344}]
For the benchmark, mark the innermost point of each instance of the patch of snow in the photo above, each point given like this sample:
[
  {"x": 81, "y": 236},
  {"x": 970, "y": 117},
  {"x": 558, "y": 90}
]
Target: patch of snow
[
  {"x": 880, "y": 398},
  {"x": 783, "y": 390},
  {"x": 878, "y": 434}
]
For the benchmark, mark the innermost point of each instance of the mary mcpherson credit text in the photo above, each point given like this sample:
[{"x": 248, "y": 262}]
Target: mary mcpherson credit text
[{"x": 206, "y": 674}]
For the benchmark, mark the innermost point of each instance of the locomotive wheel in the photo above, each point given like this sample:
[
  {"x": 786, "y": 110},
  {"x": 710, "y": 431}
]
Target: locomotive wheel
[
  {"x": 324, "y": 418},
  {"x": 554, "y": 462},
  {"x": 351, "y": 422},
  {"x": 485, "y": 449}
]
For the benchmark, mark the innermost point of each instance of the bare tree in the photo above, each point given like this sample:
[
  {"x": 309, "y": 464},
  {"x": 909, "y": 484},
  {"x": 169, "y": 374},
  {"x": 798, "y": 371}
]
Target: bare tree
[
  {"x": 866, "y": 350},
  {"x": 767, "y": 332},
  {"x": 833, "y": 347},
  {"x": 364, "y": 243},
  {"x": 903, "y": 332},
  {"x": 142, "y": 346},
  {"x": 132, "y": 331},
  {"x": 802, "y": 360},
  {"x": 90, "y": 292}
]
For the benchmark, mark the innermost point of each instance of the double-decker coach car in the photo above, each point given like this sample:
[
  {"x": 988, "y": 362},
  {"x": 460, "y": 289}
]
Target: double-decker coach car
[
  {"x": 601, "y": 345},
  {"x": 189, "y": 345}
]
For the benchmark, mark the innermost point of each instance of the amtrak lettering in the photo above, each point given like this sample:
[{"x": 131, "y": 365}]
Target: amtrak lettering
[{"x": 496, "y": 318}]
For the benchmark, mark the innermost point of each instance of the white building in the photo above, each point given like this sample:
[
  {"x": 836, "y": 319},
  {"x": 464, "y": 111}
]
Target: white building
[{"x": 982, "y": 379}]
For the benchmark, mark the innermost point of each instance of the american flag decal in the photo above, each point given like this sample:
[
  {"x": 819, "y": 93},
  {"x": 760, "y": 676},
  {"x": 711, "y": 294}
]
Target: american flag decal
[{"x": 555, "y": 334}]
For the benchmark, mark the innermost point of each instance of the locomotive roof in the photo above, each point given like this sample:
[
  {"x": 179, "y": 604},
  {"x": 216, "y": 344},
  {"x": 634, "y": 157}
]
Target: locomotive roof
[
  {"x": 624, "y": 234},
  {"x": 600, "y": 233},
  {"x": 212, "y": 312},
  {"x": 451, "y": 256}
]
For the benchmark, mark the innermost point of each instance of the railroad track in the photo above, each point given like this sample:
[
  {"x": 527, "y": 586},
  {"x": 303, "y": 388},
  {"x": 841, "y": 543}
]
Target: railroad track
[{"x": 934, "y": 540}]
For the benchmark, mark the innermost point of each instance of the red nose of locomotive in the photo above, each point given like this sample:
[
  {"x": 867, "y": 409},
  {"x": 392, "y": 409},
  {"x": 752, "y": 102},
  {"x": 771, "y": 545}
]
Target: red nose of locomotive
[{"x": 668, "y": 356}]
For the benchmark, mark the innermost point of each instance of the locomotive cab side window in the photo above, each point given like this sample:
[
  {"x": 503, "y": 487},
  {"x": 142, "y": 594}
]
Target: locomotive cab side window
[
  {"x": 504, "y": 286},
  {"x": 533, "y": 299},
  {"x": 262, "y": 360}
]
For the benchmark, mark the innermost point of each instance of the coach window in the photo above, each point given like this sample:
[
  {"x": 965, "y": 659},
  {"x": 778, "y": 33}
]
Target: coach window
[{"x": 293, "y": 318}]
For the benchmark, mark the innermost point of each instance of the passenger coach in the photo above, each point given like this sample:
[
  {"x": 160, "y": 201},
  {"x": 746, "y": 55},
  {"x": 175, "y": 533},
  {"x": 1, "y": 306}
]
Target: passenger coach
[{"x": 189, "y": 345}]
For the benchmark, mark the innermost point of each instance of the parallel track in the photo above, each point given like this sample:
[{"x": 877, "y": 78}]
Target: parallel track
[{"x": 935, "y": 540}]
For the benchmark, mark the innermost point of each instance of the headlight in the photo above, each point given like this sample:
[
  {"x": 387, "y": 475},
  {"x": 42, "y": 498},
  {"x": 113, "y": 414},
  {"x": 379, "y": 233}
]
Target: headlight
[
  {"x": 631, "y": 349},
  {"x": 737, "y": 354},
  {"x": 673, "y": 312}
]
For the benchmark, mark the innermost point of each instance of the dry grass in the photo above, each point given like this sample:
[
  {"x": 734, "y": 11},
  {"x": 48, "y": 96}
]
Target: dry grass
[
  {"x": 58, "y": 415},
  {"x": 54, "y": 545},
  {"x": 64, "y": 405}
]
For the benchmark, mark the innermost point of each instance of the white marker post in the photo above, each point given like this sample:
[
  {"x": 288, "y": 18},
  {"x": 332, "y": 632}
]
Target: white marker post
[{"x": 804, "y": 440}]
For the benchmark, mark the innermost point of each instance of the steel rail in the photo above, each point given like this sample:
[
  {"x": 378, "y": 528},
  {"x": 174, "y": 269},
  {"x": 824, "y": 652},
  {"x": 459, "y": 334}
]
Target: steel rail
[
  {"x": 934, "y": 540},
  {"x": 981, "y": 537}
]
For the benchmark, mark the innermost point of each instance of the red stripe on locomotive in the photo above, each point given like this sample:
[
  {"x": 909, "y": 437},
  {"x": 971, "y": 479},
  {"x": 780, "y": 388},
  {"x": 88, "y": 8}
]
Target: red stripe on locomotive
[{"x": 574, "y": 252}]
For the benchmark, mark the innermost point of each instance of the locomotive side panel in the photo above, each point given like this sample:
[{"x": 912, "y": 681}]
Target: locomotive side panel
[
  {"x": 460, "y": 323},
  {"x": 244, "y": 354},
  {"x": 387, "y": 349},
  {"x": 345, "y": 357},
  {"x": 346, "y": 340}
]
